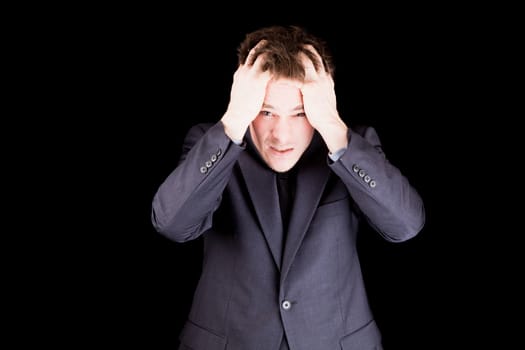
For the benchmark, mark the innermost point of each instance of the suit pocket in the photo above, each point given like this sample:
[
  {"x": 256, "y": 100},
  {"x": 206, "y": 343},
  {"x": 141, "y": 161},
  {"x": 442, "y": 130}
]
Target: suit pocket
[
  {"x": 337, "y": 208},
  {"x": 366, "y": 338},
  {"x": 198, "y": 338}
]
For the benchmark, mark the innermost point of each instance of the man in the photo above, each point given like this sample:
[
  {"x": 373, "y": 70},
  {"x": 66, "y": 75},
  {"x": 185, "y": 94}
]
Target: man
[{"x": 277, "y": 189}]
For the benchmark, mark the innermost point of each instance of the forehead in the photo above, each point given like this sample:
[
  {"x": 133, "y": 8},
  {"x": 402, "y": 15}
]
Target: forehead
[
  {"x": 283, "y": 92},
  {"x": 285, "y": 82}
]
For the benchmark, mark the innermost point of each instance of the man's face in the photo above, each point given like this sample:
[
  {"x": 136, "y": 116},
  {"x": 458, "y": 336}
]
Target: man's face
[{"x": 281, "y": 133}]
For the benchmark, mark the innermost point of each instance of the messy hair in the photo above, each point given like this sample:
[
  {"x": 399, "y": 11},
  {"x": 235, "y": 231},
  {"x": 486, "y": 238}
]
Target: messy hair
[{"x": 282, "y": 47}]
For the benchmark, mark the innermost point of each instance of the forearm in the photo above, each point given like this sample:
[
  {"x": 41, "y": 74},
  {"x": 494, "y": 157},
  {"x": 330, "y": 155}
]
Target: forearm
[
  {"x": 183, "y": 205},
  {"x": 234, "y": 126},
  {"x": 335, "y": 134},
  {"x": 384, "y": 195}
]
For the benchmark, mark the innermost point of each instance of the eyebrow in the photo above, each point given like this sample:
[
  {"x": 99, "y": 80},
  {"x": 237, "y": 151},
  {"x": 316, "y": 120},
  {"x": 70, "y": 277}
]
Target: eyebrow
[{"x": 295, "y": 109}]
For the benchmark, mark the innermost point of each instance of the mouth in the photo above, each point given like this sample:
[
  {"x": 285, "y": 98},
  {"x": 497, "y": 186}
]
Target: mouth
[{"x": 281, "y": 151}]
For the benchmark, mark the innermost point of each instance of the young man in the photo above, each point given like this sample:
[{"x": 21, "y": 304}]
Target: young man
[{"x": 277, "y": 188}]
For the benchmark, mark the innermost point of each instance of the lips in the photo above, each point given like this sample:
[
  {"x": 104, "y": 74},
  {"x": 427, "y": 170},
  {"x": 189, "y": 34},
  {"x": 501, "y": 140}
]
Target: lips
[{"x": 281, "y": 151}]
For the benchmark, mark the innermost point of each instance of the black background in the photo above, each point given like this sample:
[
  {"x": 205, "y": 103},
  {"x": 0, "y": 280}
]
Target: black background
[{"x": 135, "y": 79}]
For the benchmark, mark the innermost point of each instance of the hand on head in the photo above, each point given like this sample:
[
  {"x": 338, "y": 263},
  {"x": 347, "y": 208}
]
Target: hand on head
[
  {"x": 318, "y": 91},
  {"x": 320, "y": 103},
  {"x": 249, "y": 90},
  {"x": 247, "y": 94}
]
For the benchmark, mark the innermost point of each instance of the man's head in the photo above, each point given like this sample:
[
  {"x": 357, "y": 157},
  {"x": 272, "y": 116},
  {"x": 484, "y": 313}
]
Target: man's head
[{"x": 281, "y": 132}]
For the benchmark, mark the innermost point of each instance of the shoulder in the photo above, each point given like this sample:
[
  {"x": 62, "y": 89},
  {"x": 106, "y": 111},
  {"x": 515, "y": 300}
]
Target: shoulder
[
  {"x": 196, "y": 131},
  {"x": 367, "y": 132},
  {"x": 200, "y": 128},
  {"x": 362, "y": 129},
  {"x": 214, "y": 132}
]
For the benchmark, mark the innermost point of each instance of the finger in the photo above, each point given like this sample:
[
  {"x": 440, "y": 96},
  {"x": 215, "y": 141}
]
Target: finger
[
  {"x": 259, "y": 62},
  {"x": 251, "y": 55},
  {"x": 310, "y": 73},
  {"x": 316, "y": 54}
]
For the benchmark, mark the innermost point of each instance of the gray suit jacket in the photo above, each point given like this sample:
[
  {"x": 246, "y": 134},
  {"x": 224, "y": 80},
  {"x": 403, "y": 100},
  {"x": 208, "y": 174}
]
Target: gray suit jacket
[{"x": 253, "y": 288}]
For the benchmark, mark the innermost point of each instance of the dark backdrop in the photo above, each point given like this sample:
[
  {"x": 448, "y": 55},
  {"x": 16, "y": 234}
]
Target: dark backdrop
[{"x": 149, "y": 77}]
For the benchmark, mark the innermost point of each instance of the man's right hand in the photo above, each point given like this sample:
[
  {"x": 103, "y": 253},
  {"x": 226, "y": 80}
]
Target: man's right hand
[{"x": 246, "y": 96}]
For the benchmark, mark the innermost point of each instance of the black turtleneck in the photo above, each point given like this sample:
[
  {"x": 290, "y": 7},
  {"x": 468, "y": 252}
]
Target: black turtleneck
[
  {"x": 286, "y": 188},
  {"x": 286, "y": 183}
]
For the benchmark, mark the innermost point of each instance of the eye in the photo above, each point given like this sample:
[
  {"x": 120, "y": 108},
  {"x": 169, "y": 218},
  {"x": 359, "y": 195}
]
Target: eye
[
  {"x": 302, "y": 114},
  {"x": 266, "y": 114}
]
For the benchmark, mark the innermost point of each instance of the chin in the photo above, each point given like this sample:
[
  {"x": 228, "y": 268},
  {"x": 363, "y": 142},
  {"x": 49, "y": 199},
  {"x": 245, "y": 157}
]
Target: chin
[{"x": 281, "y": 168}]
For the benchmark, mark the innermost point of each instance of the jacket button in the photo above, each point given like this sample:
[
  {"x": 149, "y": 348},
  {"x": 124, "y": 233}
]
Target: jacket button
[
  {"x": 286, "y": 305},
  {"x": 372, "y": 184},
  {"x": 367, "y": 178},
  {"x": 355, "y": 168},
  {"x": 208, "y": 164},
  {"x": 361, "y": 173},
  {"x": 204, "y": 170}
]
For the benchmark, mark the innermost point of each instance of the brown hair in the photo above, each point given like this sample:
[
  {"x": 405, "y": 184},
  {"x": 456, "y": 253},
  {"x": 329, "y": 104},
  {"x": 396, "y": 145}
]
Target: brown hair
[{"x": 282, "y": 47}]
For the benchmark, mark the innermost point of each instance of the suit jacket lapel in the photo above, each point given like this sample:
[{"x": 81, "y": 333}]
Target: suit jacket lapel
[
  {"x": 260, "y": 181},
  {"x": 312, "y": 176}
]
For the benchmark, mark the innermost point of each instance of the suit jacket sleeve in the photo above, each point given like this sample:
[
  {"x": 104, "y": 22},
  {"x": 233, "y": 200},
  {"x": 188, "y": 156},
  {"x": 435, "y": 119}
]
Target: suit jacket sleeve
[
  {"x": 385, "y": 197},
  {"x": 184, "y": 203}
]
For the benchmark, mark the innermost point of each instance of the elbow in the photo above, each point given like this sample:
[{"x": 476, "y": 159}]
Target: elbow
[
  {"x": 171, "y": 230},
  {"x": 402, "y": 230},
  {"x": 412, "y": 225},
  {"x": 413, "y": 228}
]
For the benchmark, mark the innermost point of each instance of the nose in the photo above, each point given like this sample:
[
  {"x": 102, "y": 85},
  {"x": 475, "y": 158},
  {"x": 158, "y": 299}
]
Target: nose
[{"x": 282, "y": 130}]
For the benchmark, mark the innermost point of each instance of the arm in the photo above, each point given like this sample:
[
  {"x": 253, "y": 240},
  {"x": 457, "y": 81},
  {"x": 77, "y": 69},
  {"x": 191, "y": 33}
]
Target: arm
[
  {"x": 382, "y": 193},
  {"x": 385, "y": 197},
  {"x": 247, "y": 95},
  {"x": 183, "y": 205}
]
